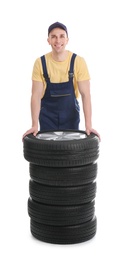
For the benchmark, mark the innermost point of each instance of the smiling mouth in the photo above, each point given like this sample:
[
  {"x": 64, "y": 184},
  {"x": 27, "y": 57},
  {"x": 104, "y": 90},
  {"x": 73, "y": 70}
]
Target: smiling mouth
[{"x": 58, "y": 46}]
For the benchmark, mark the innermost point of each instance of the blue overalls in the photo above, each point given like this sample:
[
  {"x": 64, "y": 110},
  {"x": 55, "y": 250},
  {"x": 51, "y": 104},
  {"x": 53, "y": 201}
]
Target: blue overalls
[{"x": 59, "y": 107}]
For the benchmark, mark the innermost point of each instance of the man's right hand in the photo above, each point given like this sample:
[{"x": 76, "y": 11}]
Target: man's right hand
[{"x": 33, "y": 130}]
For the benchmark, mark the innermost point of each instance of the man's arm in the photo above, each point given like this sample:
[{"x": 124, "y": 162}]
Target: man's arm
[
  {"x": 84, "y": 89},
  {"x": 37, "y": 92}
]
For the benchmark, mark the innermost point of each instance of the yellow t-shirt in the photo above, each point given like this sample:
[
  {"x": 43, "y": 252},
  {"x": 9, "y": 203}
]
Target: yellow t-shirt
[{"x": 58, "y": 71}]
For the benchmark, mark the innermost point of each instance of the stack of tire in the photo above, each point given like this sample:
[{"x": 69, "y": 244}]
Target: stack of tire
[{"x": 62, "y": 186}]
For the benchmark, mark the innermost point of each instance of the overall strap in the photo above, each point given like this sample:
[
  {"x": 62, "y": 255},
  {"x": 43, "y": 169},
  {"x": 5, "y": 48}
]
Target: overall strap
[
  {"x": 45, "y": 73},
  {"x": 71, "y": 71}
]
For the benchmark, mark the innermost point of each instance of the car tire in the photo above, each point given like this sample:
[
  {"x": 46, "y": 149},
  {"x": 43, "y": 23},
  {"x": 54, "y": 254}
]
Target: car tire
[
  {"x": 64, "y": 235},
  {"x": 54, "y": 195},
  {"x": 63, "y": 177},
  {"x": 76, "y": 149}
]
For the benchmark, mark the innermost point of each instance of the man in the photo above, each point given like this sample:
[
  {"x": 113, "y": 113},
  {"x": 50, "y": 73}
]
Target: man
[{"x": 57, "y": 80}]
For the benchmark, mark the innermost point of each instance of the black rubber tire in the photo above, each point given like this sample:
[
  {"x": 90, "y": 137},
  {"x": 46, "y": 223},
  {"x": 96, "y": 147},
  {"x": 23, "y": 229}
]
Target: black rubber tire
[
  {"x": 69, "y": 153},
  {"x": 60, "y": 215},
  {"x": 64, "y": 235},
  {"x": 52, "y": 195},
  {"x": 71, "y": 176}
]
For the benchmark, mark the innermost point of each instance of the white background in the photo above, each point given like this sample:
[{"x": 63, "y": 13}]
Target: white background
[{"x": 97, "y": 31}]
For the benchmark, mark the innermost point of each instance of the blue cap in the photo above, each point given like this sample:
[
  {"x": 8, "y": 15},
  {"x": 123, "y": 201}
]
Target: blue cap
[{"x": 57, "y": 25}]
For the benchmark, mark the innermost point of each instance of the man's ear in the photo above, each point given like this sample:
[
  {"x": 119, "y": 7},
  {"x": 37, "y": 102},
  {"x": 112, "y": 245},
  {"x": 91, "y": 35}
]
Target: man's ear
[
  {"x": 48, "y": 41},
  {"x": 67, "y": 40}
]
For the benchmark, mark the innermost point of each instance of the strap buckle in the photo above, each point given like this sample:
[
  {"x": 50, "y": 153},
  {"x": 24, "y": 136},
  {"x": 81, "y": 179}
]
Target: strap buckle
[
  {"x": 46, "y": 77},
  {"x": 71, "y": 75}
]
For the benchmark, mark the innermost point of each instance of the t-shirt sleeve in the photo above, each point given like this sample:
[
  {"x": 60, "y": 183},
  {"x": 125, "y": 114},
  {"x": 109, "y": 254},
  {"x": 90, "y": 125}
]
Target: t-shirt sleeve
[
  {"x": 37, "y": 73},
  {"x": 82, "y": 72}
]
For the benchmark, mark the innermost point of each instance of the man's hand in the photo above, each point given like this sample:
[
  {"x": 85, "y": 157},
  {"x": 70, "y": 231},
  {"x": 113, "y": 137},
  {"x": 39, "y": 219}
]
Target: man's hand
[
  {"x": 89, "y": 131},
  {"x": 33, "y": 130}
]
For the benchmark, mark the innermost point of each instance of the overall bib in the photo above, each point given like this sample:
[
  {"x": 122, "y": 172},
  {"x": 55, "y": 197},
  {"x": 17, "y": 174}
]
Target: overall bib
[{"x": 59, "y": 107}]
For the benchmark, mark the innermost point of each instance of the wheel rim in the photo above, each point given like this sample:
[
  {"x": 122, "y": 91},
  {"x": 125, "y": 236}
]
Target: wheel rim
[{"x": 61, "y": 136}]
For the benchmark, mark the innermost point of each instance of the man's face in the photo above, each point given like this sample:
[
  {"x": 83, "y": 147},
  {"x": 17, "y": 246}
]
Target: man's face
[{"x": 58, "y": 39}]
